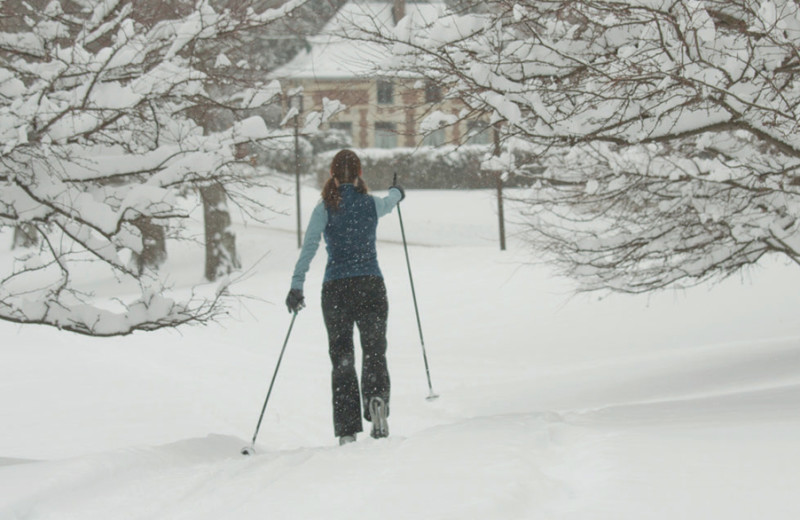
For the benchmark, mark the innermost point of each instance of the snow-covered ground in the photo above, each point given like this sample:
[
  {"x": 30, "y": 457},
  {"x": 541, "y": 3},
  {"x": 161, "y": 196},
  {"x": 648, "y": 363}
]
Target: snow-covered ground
[{"x": 676, "y": 405}]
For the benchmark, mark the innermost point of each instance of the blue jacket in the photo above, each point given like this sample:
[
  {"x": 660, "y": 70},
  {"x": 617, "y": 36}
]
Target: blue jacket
[{"x": 349, "y": 235}]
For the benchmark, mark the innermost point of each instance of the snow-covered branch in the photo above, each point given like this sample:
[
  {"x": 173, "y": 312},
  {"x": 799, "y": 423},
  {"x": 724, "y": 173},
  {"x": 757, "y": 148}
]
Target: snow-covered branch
[
  {"x": 664, "y": 133},
  {"x": 99, "y": 133}
]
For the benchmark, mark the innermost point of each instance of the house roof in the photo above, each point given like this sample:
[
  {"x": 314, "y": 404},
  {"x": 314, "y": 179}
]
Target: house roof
[{"x": 340, "y": 50}]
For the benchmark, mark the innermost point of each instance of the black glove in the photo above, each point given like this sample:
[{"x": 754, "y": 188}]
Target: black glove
[
  {"x": 295, "y": 300},
  {"x": 400, "y": 189}
]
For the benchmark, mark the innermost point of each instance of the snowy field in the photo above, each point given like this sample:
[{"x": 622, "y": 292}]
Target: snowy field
[{"x": 678, "y": 405}]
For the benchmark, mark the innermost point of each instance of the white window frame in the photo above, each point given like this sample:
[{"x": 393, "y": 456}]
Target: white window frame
[
  {"x": 435, "y": 138},
  {"x": 385, "y": 134}
]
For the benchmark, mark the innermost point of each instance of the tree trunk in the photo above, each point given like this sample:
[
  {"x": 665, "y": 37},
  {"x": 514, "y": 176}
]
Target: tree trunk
[
  {"x": 154, "y": 245},
  {"x": 25, "y": 235},
  {"x": 221, "y": 258}
]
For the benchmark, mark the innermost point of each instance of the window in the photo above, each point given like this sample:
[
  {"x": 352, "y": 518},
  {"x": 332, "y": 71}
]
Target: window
[
  {"x": 433, "y": 92},
  {"x": 385, "y": 135},
  {"x": 479, "y": 132},
  {"x": 435, "y": 138},
  {"x": 344, "y": 127},
  {"x": 385, "y": 92}
]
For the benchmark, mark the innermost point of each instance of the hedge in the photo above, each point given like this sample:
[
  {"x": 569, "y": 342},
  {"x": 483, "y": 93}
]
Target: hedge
[{"x": 421, "y": 168}]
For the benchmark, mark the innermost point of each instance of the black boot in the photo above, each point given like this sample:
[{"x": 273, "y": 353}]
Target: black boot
[{"x": 378, "y": 413}]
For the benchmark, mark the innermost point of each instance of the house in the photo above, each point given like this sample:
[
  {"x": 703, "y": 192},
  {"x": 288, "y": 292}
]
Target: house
[{"x": 383, "y": 111}]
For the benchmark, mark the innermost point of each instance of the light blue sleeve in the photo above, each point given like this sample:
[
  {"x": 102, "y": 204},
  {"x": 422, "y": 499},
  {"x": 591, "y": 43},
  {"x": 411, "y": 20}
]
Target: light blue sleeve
[
  {"x": 385, "y": 205},
  {"x": 316, "y": 225}
]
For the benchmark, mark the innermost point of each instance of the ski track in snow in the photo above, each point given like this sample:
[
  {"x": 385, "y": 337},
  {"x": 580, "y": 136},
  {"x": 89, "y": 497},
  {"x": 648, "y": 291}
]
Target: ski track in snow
[{"x": 680, "y": 405}]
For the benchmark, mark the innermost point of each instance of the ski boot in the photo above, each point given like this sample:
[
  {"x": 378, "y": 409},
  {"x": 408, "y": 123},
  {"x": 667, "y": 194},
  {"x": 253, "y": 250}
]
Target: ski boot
[{"x": 378, "y": 412}]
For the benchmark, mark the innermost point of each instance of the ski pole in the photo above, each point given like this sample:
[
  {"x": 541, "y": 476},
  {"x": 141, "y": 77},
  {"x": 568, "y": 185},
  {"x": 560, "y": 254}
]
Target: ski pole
[
  {"x": 431, "y": 394},
  {"x": 249, "y": 450}
]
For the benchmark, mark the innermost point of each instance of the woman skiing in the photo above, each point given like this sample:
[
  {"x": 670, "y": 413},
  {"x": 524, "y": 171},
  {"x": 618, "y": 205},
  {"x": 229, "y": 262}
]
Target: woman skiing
[{"x": 353, "y": 293}]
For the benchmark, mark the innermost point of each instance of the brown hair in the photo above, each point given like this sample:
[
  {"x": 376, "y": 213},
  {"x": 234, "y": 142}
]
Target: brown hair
[{"x": 345, "y": 169}]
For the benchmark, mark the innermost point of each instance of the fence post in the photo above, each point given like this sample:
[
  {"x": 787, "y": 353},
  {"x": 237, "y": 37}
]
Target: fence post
[
  {"x": 500, "y": 212},
  {"x": 499, "y": 184}
]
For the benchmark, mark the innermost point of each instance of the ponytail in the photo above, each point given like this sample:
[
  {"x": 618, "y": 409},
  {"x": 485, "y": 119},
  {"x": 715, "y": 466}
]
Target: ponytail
[
  {"x": 345, "y": 169},
  {"x": 361, "y": 186},
  {"x": 331, "y": 195}
]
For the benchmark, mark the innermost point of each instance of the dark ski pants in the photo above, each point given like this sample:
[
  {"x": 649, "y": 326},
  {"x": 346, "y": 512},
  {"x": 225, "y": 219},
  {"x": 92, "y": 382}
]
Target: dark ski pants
[{"x": 359, "y": 301}]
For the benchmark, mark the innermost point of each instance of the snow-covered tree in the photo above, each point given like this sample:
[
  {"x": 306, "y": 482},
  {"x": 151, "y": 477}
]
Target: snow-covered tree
[
  {"x": 96, "y": 143},
  {"x": 232, "y": 65},
  {"x": 664, "y": 133}
]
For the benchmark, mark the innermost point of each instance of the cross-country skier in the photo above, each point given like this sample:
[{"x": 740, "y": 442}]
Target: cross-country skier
[{"x": 353, "y": 292}]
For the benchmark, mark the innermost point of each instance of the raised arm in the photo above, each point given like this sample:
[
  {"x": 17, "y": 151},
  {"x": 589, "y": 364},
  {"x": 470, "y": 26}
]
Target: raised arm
[{"x": 385, "y": 205}]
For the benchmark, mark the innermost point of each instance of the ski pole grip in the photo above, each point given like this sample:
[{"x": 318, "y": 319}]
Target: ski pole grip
[{"x": 394, "y": 179}]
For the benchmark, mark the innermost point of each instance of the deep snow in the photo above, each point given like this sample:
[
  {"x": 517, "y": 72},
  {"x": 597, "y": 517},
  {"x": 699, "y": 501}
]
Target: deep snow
[{"x": 681, "y": 404}]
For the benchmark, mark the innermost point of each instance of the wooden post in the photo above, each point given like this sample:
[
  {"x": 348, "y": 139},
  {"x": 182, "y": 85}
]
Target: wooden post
[
  {"x": 297, "y": 180},
  {"x": 398, "y": 10},
  {"x": 296, "y": 102},
  {"x": 499, "y": 184},
  {"x": 500, "y": 213}
]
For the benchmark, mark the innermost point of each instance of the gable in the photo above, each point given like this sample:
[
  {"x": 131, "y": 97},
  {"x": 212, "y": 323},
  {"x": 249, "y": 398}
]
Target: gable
[{"x": 341, "y": 50}]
